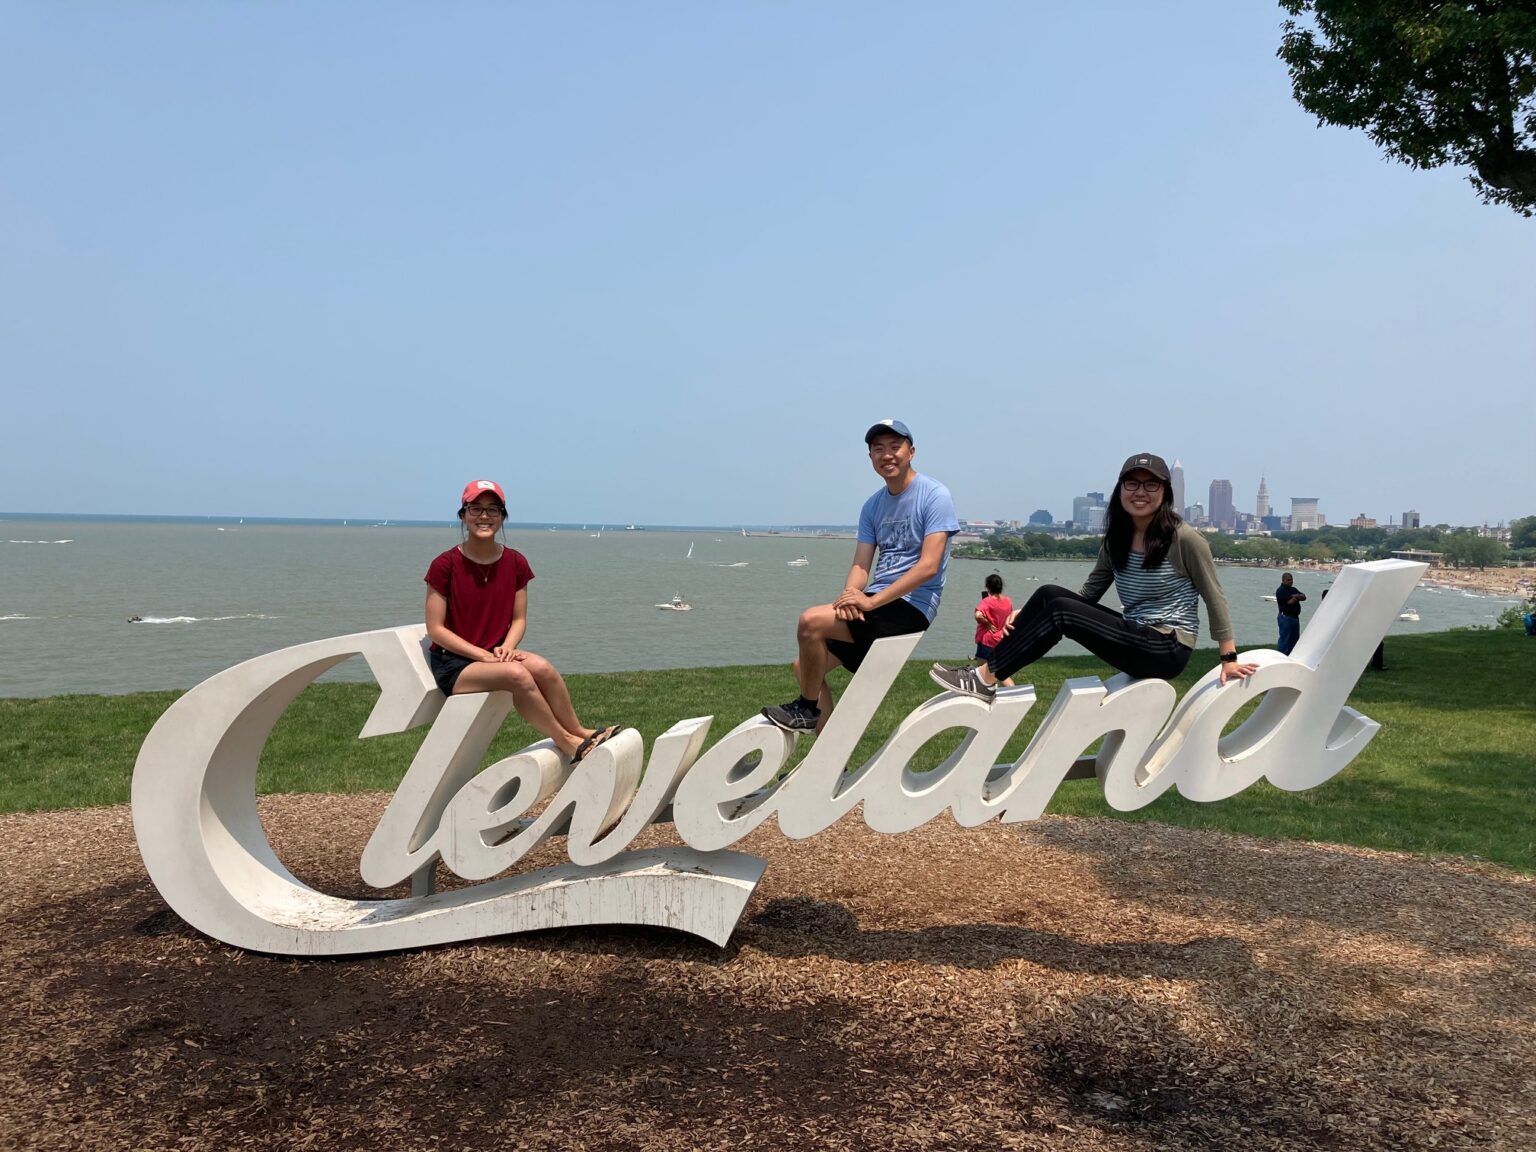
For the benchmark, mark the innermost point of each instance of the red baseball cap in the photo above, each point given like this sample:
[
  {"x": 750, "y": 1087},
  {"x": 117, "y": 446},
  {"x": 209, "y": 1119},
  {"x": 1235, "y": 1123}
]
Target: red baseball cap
[{"x": 475, "y": 487}]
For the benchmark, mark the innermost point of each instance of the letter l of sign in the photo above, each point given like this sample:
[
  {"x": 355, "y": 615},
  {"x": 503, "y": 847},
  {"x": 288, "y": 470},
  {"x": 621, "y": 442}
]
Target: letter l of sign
[{"x": 408, "y": 834}]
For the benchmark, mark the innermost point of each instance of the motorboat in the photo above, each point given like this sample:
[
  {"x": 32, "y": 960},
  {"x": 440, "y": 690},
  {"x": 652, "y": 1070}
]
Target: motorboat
[
  {"x": 800, "y": 562},
  {"x": 1271, "y": 599},
  {"x": 1409, "y": 614},
  {"x": 676, "y": 604}
]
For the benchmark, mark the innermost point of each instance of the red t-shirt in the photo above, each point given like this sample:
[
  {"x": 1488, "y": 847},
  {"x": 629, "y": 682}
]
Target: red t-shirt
[
  {"x": 996, "y": 609},
  {"x": 480, "y": 596}
]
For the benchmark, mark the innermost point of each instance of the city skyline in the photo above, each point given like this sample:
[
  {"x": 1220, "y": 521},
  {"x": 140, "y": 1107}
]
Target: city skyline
[
  {"x": 1312, "y": 507},
  {"x": 1076, "y": 509}
]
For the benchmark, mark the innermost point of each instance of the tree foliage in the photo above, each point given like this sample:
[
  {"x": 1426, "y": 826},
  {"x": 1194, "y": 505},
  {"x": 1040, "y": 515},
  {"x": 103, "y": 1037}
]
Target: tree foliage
[
  {"x": 1431, "y": 83},
  {"x": 1514, "y": 616},
  {"x": 1033, "y": 546},
  {"x": 1466, "y": 549},
  {"x": 1522, "y": 532}
]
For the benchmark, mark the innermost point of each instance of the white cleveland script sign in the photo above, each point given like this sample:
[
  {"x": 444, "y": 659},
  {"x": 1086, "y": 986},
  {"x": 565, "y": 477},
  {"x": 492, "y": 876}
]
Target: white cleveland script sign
[{"x": 194, "y": 786}]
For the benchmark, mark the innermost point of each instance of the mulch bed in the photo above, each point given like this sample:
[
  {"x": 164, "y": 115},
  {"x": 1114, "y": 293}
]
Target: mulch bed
[{"x": 1081, "y": 984}]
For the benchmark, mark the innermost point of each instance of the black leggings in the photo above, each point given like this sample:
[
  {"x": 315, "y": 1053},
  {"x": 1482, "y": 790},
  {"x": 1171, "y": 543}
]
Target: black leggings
[{"x": 1053, "y": 612}]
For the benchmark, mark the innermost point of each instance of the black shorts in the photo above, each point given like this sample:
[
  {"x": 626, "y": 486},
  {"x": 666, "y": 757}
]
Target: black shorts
[
  {"x": 898, "y": 618},
  {"x": 984, "y": 651},
  {"x": 446, "y": 667}
]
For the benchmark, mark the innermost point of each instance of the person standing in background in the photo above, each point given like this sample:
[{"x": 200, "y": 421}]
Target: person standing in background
[
  {"x": 991, "y": 618},
  {"x": 1288, "y": 600}
]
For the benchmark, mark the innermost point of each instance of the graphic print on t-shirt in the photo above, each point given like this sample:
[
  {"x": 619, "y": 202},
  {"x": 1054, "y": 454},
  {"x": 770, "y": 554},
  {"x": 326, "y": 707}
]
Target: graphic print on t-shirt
[{"x": 896, "y": 540}]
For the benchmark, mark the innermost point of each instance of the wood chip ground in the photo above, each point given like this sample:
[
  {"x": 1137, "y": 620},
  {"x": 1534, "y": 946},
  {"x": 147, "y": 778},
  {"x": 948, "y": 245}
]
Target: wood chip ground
[{"x": 1066, "y": 984}]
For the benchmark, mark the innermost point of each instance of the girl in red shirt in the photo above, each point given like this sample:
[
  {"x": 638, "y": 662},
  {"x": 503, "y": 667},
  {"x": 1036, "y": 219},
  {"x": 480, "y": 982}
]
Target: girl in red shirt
[
  {"x": 992, "y": 616},
  {"x": 477, "y": 612}
]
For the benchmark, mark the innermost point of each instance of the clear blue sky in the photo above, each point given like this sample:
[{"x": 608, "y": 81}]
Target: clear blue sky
[{"x": 664, "y": 262}]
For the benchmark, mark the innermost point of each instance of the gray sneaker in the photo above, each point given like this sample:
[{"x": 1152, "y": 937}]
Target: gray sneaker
[
  {"x": 964, "y": 681},
  {"x": 794, "y": 716}
]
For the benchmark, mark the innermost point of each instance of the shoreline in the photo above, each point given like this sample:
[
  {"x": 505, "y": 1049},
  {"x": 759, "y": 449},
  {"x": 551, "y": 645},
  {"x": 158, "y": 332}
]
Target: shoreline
[{"x": 1516, "y": 583}]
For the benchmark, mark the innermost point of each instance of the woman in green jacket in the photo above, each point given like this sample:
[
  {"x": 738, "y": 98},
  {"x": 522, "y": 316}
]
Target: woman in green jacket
[{"x": 1160, "y": 567}]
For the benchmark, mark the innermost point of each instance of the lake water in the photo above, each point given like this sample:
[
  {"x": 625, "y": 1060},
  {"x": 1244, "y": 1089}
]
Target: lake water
[{"x": 214, "y": 595}]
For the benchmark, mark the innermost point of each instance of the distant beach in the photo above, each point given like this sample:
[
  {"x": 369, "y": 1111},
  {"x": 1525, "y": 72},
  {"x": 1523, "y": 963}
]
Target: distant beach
[{"x": 1510, "y": 583}]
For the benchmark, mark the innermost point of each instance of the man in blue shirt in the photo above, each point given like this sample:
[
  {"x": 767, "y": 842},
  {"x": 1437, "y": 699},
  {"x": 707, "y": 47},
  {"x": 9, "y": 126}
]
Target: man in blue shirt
[{"x": 904, "y": 532}]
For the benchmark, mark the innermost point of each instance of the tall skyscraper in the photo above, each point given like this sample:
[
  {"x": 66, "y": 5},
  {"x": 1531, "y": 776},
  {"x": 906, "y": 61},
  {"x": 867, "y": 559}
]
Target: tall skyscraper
[
  {"x": 1261, "y": 510},
  {"x": 1176, "y": 474},
  {"x": 1304, "y": 513},
  {"x": 1223, "y": 515}
]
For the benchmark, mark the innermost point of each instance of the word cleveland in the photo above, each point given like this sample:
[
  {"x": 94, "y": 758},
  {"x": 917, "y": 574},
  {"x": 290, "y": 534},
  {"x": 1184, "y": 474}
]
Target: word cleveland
[{"x": 202, "y": 841}]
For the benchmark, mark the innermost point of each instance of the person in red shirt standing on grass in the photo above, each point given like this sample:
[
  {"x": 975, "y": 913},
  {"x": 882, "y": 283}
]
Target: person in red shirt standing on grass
[
  {"x": 477, "y": 612},
  {"x": 991, "y": 618}
]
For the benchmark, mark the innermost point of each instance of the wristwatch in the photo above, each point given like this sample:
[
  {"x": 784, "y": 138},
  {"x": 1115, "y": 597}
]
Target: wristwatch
[{"x": 1229, "y": 657}]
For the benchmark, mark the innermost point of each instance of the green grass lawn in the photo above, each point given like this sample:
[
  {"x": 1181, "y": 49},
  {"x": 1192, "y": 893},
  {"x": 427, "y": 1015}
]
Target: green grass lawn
[{"x": 1450, "y": 772}]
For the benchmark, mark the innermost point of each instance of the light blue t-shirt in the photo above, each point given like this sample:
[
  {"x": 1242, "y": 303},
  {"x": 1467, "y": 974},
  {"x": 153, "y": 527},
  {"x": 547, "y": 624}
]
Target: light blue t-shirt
[{"x": 896, "y": 526}]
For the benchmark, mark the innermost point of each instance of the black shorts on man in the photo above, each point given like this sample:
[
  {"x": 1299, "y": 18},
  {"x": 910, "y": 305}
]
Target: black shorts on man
[{"x": 898, "y": 618}]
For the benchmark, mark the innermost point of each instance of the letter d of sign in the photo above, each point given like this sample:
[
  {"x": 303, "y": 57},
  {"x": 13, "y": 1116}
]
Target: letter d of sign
[
  {"x": 1301, "y": 733},
  {"x": 194, "y": 785}
]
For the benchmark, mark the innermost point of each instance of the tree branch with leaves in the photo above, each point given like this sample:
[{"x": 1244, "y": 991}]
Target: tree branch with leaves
[{"x": 1431, "y": 83}]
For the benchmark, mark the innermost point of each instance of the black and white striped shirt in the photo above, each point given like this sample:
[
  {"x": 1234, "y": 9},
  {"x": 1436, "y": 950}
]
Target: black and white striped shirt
[
  {"x": 1164, "y": 598},
  {"x": 1158, "y": 597}
]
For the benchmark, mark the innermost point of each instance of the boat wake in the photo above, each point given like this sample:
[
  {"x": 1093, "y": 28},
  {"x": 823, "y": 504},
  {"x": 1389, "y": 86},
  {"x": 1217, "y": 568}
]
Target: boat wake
[
  {"x": 198, "y": 619},
  {"x": 39, "y": 541},
  {"x": 16, "y": 616}
]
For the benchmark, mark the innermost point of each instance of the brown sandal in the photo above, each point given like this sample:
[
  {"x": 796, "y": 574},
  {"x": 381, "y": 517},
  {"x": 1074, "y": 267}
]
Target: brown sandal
[{"x": 597, "y": 739}]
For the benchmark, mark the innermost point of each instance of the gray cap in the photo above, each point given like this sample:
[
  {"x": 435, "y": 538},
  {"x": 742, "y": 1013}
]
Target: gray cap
[{"x": 1148, "y": 463}]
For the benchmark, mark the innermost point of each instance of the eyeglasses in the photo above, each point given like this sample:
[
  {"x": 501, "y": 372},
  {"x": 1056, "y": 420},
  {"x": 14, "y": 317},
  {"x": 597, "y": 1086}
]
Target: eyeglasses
[
  {"x": 478, "y": 512},
  {"x": 1139, "y": 485}
]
